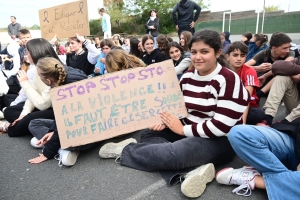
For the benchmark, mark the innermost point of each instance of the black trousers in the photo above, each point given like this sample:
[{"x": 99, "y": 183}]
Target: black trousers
[
  {"x": 174, "y": 155},
  {"x": 21, "y": 127},
  {"x": 185, "y": 28},
  {"x": 6, "y": 100}
]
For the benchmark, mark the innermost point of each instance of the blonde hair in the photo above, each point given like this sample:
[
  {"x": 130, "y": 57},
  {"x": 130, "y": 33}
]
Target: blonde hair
[
  {"x": 53, "y": 69},
  {"x": 117, "y": 60}
]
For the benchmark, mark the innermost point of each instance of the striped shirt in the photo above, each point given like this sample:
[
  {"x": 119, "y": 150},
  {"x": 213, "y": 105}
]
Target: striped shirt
[{"x": 215, "y": 102}]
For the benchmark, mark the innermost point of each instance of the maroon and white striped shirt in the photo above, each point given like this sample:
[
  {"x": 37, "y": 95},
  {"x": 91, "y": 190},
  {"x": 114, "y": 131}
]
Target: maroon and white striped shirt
[{"x": 215, "y": 102}]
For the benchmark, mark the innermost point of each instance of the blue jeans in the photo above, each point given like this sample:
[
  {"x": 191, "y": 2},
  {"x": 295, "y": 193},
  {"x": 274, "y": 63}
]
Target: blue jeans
[
  {"x": 155, "y": 44},
  {"x": 40, "y": 127},
  {"x": 273, "y": 154},
  {"x": 173, "y": 155}
]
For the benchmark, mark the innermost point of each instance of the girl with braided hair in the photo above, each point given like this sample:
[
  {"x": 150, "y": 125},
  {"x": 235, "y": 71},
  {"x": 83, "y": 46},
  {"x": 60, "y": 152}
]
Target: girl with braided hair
[{"x": 53, "y": 74}]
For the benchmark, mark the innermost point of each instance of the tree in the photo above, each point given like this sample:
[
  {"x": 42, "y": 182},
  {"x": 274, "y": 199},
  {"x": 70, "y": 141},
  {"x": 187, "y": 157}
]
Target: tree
[
  {"x": 140, "y": 9},
  {"x": 272, "y": 8},
  {"x": 95, "y": 27},
  {"x": 35, "y": 27}
]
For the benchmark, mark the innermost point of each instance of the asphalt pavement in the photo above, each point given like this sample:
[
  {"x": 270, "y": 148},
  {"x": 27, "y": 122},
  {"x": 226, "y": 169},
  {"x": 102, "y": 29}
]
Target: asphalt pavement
[{"x": 92, "y": 177}]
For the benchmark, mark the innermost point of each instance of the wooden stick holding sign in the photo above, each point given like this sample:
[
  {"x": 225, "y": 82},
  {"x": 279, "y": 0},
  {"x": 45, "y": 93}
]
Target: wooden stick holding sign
[
  {"x": 115, "y": 104},
  {"x": 65, "y": 20}
]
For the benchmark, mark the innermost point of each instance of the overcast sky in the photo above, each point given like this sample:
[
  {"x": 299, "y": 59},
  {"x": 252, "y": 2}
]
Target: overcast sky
[{"x": 26, "y": 11}]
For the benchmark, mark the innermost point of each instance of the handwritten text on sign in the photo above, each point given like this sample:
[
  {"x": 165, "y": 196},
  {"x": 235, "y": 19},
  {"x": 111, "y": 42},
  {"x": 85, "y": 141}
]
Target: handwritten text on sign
[
  {"x": 65, "y": 20},
  {"x": 107, "y": 106}
]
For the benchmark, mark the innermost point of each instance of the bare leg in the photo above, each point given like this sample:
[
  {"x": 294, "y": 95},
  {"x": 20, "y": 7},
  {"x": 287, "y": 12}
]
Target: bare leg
[
  {"x": 259, "y": 182},
  {"x": 267, "y": 87}
]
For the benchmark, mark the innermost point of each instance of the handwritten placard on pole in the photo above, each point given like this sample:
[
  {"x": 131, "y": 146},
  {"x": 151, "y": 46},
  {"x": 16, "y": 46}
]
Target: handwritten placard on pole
[
  {"x": 65, "y": 20},
  {"x": 115, "y": 104}
]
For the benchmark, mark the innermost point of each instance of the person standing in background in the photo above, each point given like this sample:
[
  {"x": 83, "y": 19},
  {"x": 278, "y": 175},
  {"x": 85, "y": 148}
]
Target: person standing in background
[
  {"x": 106, "y": 25},
  {"x": 14, "y": 28},
  {"x": 152, "y": 25},
  {"x": 185, "y": 19}
]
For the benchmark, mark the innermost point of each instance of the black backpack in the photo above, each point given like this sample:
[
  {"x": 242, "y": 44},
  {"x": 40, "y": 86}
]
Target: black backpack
[{"x": 13, "y": 84}]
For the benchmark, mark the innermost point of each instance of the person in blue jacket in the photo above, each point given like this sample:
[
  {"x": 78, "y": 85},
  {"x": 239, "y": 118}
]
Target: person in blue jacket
[{"x": 257, "y": 44}]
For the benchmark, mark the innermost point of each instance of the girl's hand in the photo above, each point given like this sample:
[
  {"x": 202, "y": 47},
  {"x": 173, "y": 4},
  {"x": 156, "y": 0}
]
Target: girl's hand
[
  {"x": 22, "y": 76},
  {"x": 157, "y": 127},
  {"x": 298, "y": 168},
  {"x": 102, "y": 60},
  {"x": 53, "y": 40},
  {"x": 97, "y": 70},
  {"x": 172, "y": 123},
  {"x": 80, "y": 38},
  {"x": 21, "y": 117},
  {"x": 39, "y": 159},
  {"x": 45, "y": 139}
]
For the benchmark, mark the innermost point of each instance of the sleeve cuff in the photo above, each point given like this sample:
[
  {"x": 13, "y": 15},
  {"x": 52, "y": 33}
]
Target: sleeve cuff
[{"x": 187, "y": 130}]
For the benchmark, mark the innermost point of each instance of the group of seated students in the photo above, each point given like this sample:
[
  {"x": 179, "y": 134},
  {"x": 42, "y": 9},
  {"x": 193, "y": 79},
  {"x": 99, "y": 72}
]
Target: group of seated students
[{"x": 220, "y": 94}]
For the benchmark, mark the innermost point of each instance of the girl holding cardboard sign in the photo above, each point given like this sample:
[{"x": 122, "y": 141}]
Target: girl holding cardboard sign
[
  {"x": 215, "y": 100},
  {"x": 52, "y": 73},
  {"x": 116, "y": 60}
]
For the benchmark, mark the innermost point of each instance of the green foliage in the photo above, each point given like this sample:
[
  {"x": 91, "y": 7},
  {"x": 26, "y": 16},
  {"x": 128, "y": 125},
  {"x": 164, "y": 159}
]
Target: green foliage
[
  {"x": 272, "y": 8},
  {"x": 130, "y": 16},
  {"x": 95, "y": 27},
  {"x": 35, "y": 27}
]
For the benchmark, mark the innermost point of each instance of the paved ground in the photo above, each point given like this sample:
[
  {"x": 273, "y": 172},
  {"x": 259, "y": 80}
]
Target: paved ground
[{"x": 92, "y": 177}]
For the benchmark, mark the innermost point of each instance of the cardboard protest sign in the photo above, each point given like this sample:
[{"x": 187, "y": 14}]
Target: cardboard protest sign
[
  {"x": 65, "y": 20},
  {"x": 115, "y": 104}
]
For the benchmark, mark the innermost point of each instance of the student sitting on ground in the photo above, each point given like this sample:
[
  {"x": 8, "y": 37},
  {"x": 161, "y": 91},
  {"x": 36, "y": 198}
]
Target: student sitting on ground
[
  {"x": 38, "y": 102},
  {"x": 185, "y": 38},
  {"x": 106, "y": 46},
  {"x": 225, "y": 43},
  {"x": 80, "y": 58},
  {"x": 236, "y": 56},
  {"x": 285, "y": 87},
  {"x": 246, "y": 37},
  {"x": 53, "y": 74},
  {"x": 162, "y": 44},
  {"x": 152, "y": 55},
  {"x": 136, "y": 48},
  {"x": 126, "y": 45},
  {"x": 256, "y": 44},
  {"x": 45, "y": 131},
  {"x": 273, "y": 157},
  {"x": 180, "y": 59},
  {"x": 177, "y": 147},
  {"x": 279, "y": 49}
]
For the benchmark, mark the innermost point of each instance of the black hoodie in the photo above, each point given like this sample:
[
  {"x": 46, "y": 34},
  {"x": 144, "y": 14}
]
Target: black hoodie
[
  {"x": 154, "y": 57},
  {"x": 185, "y": 9}
]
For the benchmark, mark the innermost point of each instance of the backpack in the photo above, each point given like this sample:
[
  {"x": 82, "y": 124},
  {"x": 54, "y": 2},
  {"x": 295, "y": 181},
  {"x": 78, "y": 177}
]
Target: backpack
[
  {"x": 8, "y": 65},
  {"x": 13, "y": 84}
]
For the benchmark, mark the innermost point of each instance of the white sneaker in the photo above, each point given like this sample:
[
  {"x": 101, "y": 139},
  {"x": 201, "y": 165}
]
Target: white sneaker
[
  {"x": 114, "y": 150},
  {"x": 33, "y": 142},
  {"x": 1, "y": 115},
  {"x": 244, "y": 177},
  {"x": 66, "y": 157},
  {"x": 195, "y": 181}
]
